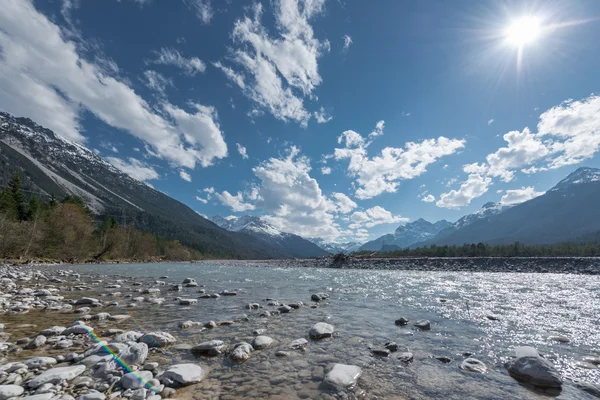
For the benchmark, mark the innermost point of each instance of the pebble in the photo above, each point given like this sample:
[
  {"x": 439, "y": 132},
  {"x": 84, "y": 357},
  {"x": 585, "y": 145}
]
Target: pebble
[
  {"x": 321, "y": 330},
  {"x": 473, "y": 365},
  {"x": 422, "y": 324},
  {"x": 184, "y": 374},
  {"x": 401, "y": 321},
  {"x": 342, "y": 376},
  {"x": 261, "y": 342}
]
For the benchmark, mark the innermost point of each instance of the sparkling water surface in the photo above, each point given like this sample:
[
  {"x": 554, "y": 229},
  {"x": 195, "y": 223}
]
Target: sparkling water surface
[{"x": 530, "y": 309}]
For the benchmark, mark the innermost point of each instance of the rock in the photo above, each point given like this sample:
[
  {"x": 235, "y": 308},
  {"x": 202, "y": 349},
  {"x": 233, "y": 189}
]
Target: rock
[
  {"x": 86, "y": 300},
  {"x": 422, "y": 324},
  {"x": 299, "y": 343},
  {"x": 185, "y": 374},
  {"x": 210, "y": 325},
  {"x": 101, "y": 316},
  {"x": 43, "y": 396},
  {"x": 284, "y": 309},
  {"x": 241, "y": 352},
  {"x": 157, "y": 339},
  {"x": 282, "y": 353},
  {"x": 525, "y": 351},
  {"x": 381, "y": 352},
  {"x": 38, "y": 342},
  {"x": 135, "y": 354},
  {"x": 257, "y": 332},
  {"x": 342, "y": 376},
  {"x": 136, "y": 380},
  {"x": 442, "y": 359},
  {"x": 227, "y": 293},
  {"x": 473, "y": 365},
  {"x": 119, "y": 318},
  {"x": 401, "y": 321},
  {"x": 252, "y": 306},
  {"x": 534, "y": 370},
  {"x": 321, "y": 330},
  {"x": 592, "y": 360},
  {"x": 139, "y": 394},
  {"x": 8, "y": 391},
  {"x": 77, "y": 330},
  {"x": 560, "y": 338},
  {"x": 492, "y": 317},
  {"x": 210, "y": 348},
  {"x": 296, "y": 305},
  {"x": 188, "y": 324},
  {"x": 319, "y": 296},
  {"x": 587, "y": 387},
  {"x": 261, "y": 342},
  {"x": 56, "y": 375},
  {"x": 405, "y": 356},
  {"x": 187, "y": 302},
  {"x": 54, "y": 331},
  {"x": 39, "y": 362},
  {"x": 188, "y": 280},
  {"x": 176, "y": 288},
  {"x": 64, "y": 344},
  {"x": 265, "y": 314},
  {"x": 151, "y": 366},
  {"x": 92, "y": 395},
  {"x": 129, "y": 336},
  {"x": 391, "y": 346}
]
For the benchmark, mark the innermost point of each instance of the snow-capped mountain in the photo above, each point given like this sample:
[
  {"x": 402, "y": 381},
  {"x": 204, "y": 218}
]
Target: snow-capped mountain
[
  {"x": 256, "y": 227},
  {"x": 336, "y": 248},
  {"x": 486, "y": 211},
  {"x": 51, "y": 165},
  {"x": 579, "y": 176},
  {"x": 406, "y": 235}
]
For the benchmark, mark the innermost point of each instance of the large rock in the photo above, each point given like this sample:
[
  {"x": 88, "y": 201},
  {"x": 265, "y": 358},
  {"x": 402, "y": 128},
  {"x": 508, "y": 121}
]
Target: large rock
[
  {"x": 299, "y": 343},
  {"x": 261, "y": 342},
  {"x": 342, "y": 376},
  {"x": 241, "y": 352},
  {"x": 135, "y": 380},
  {"x": 43, "y": 396},
  {"x": 77, "y": 330},
  {"x": 129, "y": 336},
  {"x": 533, "y": 369},
  {"x": 38, "y": 342},
  {"x": 157, "y": 339},
  {"x": 8, "y": 391},
  {"x": 319, "y": 296},
  {"x": 210, "y": 348},
  {"x": 134, "y": 354},
  {"x": 423, "y": 324},
  {"x": 39, "y": 362},
  {"x": 473, "y": 365},
  {"x": 321, "y": 330},
  {"x": 86, "y": 300},
  {"x": 55, "y": 330},
  {"x": 55, "y": 375},
  {"x": 184, "y": 374}
]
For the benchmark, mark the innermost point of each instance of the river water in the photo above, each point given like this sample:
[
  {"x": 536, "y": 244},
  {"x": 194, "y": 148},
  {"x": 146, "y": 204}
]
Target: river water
[{"x": 530, "y": 310}]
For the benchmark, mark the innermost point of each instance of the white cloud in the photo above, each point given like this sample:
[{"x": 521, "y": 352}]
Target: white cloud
[
  {"x": 325, "y": 170},
  {"x": 321, "y": 116},
  {"x": 134, "y": 168},
  {"x": 473, "y": 187},
  {"x": 491, "y": 121},
  {"x": 185, "y": 176},
  {"x": 428, "y": 199},
  {"x": 344, "y": 203},
  {"x": 374, "y": 216},
  {"x": 378, "y": 129},
  {"x": 236, "y": 202},
  {"x": 202, "y": 9},
  {"x": 209, "y": 190},
  {"x": 200, "y": 199},
  {"x": 242, "y": 150},
  {"x": 273, "y": 68},
  {"x": 517, "y": 196},
  {"x": 382, "y": 173},
  {"x": 157, "y": 82},
  {"x": 347, "y": 42},
  {"x": 171, "y": 56},
  {"x": 42, "y": 76},
  {"x": 293, "y": 199}
]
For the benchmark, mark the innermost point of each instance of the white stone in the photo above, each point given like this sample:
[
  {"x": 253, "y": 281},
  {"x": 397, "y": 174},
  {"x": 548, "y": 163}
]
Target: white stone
[
  {"x": 321, "y": 330},
  {"x": 38, "y": 362},
  {"x": 55, "y": 375},
  {"x": 8, "y": 391},
  {"x": 135, "y": 380},
  {"x": 261, "y": 342},
  {"x": 185, "y": 374},
  {"x": 342, "y": 376},
  {"x": 134, "y": 354},
  {"x": 157, "y": 339}
]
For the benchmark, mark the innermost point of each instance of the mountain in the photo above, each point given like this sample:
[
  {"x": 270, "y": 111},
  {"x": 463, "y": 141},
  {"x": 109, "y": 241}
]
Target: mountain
[
  {"x": 288, "y": 243},
  {"x": 51, "y": 165},
  {"x": 336, "y": 248},
  {"x": 568, "y": 211},
  {"x": 486, "y": 211},
  {"x": 408, "y": 234}
]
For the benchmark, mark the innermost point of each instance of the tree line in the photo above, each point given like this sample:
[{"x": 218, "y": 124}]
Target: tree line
[
  {"x": 66, "y": 230},
  {"x": 572, "y": 249}
]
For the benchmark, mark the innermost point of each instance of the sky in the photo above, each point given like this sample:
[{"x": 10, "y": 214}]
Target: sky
[{"x": 335, "y": 119}]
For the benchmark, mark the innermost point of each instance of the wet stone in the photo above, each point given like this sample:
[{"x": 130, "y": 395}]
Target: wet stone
[
  {"x": 321, "y": 330},
  {"x": 473, "y": 365},
  {"x": 423, "y": 325}
]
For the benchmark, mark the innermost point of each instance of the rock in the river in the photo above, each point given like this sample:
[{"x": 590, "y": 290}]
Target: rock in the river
[
  {"x": 92, "y": 395},
  {"x": 284, "y": 309},
  {"x": 241, "y": 352},
  {"x": 473, "y": 365},
  {"x": 210, "y": 348},
  {"x": 299, "y": 343},
  {"x": 56, "y": 375},
  {"x": 319, "y": 296},
  {"x": 423, "y": 324},
  {"x": 184, "y": 374},
  {"x": 135, "y": 354},
  {"x": 55, "y": 330},
  {"x": 587, "y": 387},
  {"x": 342, "y": 376},
  {"x": 282, "y": 353},
  {"x": 252, "y": 306},
  {"x": 530, "y": 368},
  {"x": 157, "y": 339},
  {"x": 401, "y": 321},
  {"x": 129, "y": 336},
  {"x": 187, "y": 302},
  {"x": 261, "y": 342},
  {"x": 8, "y": 391},
  {"x": 321, "y": 330},
  {"x": 391, "y": 346},
  {"x": 39, "y": 341},
  {"x": 188, "y": 281},
  {"x": 210, "y": 325},
  {"x": 77, "y": 330},
  {"x": 560, "y": 338},
  {"x": 86, "y": 300},
  {"x": 188, "y": 324},
  {"x": 381, "y": 352},
  {"x": 136, "y": 380},
  {"x": 405, "y": 356},
  {"x": 39, "y": 362}
]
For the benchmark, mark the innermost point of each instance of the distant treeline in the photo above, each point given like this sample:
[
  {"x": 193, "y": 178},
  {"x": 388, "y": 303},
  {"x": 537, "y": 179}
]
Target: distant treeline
[
  {"x": 65, "y": 230},
  {"x": 589, "y": 249}
]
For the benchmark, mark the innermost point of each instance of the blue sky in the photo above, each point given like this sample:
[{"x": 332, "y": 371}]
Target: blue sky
[{"x": 333, "y": 119}]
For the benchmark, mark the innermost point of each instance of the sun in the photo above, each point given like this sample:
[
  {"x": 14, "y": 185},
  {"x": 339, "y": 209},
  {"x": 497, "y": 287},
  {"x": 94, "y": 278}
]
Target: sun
[{"x": 523, "y": 31}]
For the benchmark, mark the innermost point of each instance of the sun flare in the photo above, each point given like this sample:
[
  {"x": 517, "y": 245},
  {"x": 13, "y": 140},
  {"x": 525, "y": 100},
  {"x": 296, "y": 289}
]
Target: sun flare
[{"x": 523, "y": 31}]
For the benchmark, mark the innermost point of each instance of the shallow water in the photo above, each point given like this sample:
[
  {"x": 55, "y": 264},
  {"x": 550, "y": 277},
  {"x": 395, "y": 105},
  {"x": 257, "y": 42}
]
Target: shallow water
[{"x": 363, "y": 306}]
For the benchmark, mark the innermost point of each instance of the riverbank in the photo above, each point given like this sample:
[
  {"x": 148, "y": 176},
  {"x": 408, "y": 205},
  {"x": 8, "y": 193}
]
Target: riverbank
[{"x": 228, "y": 331}]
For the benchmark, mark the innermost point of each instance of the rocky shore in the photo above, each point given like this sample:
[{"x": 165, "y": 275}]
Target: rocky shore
[
  {"x": 66, "y": 336},
  {"x": 559, "y": 265}
]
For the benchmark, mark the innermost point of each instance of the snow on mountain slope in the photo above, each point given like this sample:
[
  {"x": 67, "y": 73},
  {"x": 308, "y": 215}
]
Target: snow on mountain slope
[
  {"x": 486, "y": 211},
  {"x": 406, "y": 235},
  {"x": 335, "y": 248}
]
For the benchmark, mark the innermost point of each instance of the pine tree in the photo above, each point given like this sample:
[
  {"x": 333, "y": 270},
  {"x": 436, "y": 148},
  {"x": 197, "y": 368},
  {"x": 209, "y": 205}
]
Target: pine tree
[
  {"x": 34, "y": 208},
  {"x": 7, "y": 204},
  {"x": 18, "y": 197}
]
